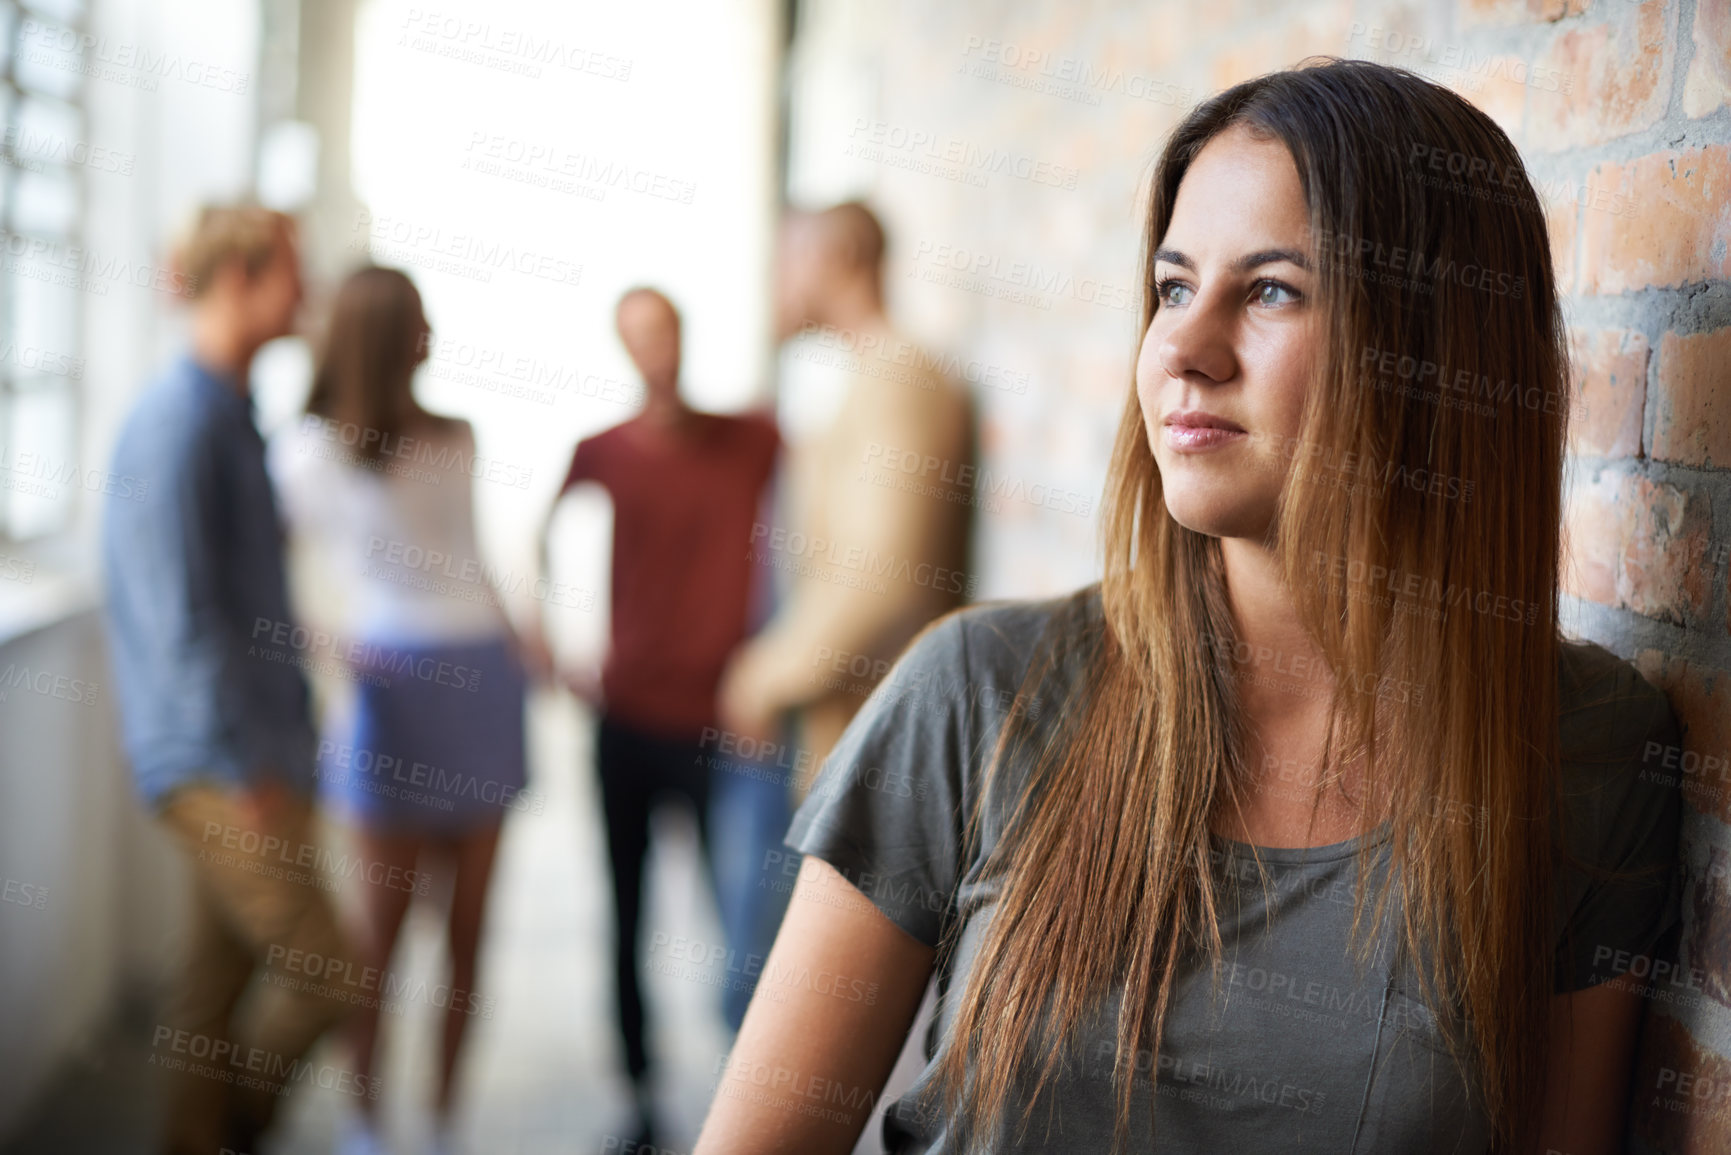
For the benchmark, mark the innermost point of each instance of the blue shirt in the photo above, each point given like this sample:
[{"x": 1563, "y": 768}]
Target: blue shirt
[{"x": 197, "y": 605}]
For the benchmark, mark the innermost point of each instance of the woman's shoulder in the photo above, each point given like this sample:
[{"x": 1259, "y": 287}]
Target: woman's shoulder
[
  {"x": 1608, "y": 712},
  {"x": 1619, "y": 742},
  {"x": 439, "y": 426},
  {"x": 999, "y": 640}
]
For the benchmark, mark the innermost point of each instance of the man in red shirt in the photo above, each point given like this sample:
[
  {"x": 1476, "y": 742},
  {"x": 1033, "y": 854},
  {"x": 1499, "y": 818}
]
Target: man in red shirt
[{"x": 686, "y": 488}]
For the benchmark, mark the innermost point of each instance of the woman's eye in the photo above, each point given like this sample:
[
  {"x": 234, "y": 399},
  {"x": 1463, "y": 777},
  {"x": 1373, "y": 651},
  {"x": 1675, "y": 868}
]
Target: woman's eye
[
  {"x": 1173, "y": 292},
  {"x": 1273, "y": 293}
]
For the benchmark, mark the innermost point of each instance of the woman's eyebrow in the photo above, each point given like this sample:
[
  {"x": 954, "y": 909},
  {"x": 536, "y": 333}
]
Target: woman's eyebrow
[
  {"x": 1270, "y": 257},
  {"x": 1243, "y": 264}
]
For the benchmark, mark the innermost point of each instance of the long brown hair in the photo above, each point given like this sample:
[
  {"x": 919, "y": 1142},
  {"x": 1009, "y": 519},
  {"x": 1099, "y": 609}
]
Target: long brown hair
[
  {"x": 374, "y": 342},
  {"x": 1106, "y": 862}
]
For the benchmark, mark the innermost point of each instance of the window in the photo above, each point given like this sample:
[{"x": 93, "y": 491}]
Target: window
[{"x": 43, "y": 154}]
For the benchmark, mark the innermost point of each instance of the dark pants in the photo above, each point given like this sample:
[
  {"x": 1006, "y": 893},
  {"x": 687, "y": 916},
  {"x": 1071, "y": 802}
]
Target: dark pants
[{"x": 639, "y": 772}]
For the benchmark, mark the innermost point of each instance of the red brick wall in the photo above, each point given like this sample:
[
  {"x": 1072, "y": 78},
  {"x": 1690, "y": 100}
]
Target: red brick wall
[{"x": 1623, "y": 112}]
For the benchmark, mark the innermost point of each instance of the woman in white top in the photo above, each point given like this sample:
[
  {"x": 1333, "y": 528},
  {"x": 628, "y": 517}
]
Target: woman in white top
[{"x": 431, "y": 756}]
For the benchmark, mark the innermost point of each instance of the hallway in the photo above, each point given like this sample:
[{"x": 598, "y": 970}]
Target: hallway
[{"x": 543, "y": 1072}]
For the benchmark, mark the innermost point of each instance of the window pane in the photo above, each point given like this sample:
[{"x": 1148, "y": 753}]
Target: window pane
[
  {"x": 45, "y": 484},
  {"x": 45, "y": 314},
  {"x": 46, "y": 204},
  {"x": 49, "y": 59},
  {"x": 63, "y": 10},
  {"x": 45, "y": 132}
]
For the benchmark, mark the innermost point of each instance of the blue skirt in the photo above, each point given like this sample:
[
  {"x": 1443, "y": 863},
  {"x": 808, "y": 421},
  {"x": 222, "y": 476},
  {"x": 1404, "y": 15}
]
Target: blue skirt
[{"x": 435, "y": 745}]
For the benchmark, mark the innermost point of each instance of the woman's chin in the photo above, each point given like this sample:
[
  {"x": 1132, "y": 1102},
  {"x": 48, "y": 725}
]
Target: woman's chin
[{"x": 1215, "y": 514}]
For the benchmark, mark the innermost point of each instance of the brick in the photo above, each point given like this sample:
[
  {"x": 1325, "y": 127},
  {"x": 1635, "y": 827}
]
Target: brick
[
  {"x": 1610, "y": 390},
  {"x": 1667, "y": 1112},
  {"x": 1476, "y": 13},
  {"x": 1679, "y": 230},
  {"x": 1666, "y": 526},
  {"x": 1634, "y": 544},
  {"x": 1493, "y": 91},
  {"x": 1691, "y": 403},
  {"x": 1483, "y": 12},
  {"x": 1593, "y": 539},
  {"x": 1701, "y": 697},
  {"x": 1616, "y": 79},
  {"x": 1707, "y": 85}
]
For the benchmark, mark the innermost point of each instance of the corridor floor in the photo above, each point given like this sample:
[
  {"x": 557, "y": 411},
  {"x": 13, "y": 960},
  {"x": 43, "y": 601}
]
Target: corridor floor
[{"x": 543, "y": 1075}]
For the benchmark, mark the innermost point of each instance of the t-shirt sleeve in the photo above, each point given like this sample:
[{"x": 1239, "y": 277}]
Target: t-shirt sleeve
[
  {"x": 1625, "y": 813},
  {"x": 585, "y": 464},
  {"x": 888, "y": 807}
]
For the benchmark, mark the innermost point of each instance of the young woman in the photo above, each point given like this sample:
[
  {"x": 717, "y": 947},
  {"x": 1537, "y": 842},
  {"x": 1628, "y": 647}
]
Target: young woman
[
  {"x": 431, "y": 757},
  {"x": 1303, "y": 830}
]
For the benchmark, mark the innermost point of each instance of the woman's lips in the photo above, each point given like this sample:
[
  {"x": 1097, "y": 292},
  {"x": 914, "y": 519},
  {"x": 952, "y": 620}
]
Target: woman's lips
[{"x": 1200, "y": 432}]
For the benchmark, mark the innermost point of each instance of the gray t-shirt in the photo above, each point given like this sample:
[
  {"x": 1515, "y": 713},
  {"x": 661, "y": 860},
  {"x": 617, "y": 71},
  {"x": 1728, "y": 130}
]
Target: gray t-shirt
[{"x": 1302, "y": 1051}]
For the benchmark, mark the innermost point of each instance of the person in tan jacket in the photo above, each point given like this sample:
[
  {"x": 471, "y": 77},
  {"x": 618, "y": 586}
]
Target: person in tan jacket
[{"x": 880, "y": 503}]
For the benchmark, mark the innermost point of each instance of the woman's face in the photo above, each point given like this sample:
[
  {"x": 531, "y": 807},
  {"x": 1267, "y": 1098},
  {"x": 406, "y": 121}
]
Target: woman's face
[{"x": 1223, "y": 367}]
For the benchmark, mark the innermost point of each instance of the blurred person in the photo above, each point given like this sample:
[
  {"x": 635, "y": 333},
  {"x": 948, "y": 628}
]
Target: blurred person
[
  {"x": 432, "y": 755},
  {"x": 872, "y": 562},
  {"x": 687, "y": 488},
  {"x": 216, "y": 725},
  {"x": 1329, "y": 839}
]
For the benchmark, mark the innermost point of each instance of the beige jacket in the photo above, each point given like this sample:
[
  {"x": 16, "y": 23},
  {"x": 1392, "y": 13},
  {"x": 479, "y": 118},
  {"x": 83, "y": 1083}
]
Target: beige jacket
[{"x": 877, "y": 543}]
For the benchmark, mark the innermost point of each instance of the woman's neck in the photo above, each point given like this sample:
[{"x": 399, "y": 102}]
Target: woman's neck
[
  {"x": 1283, "y": 691},
  {"x": 1280, "y": 666}
]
